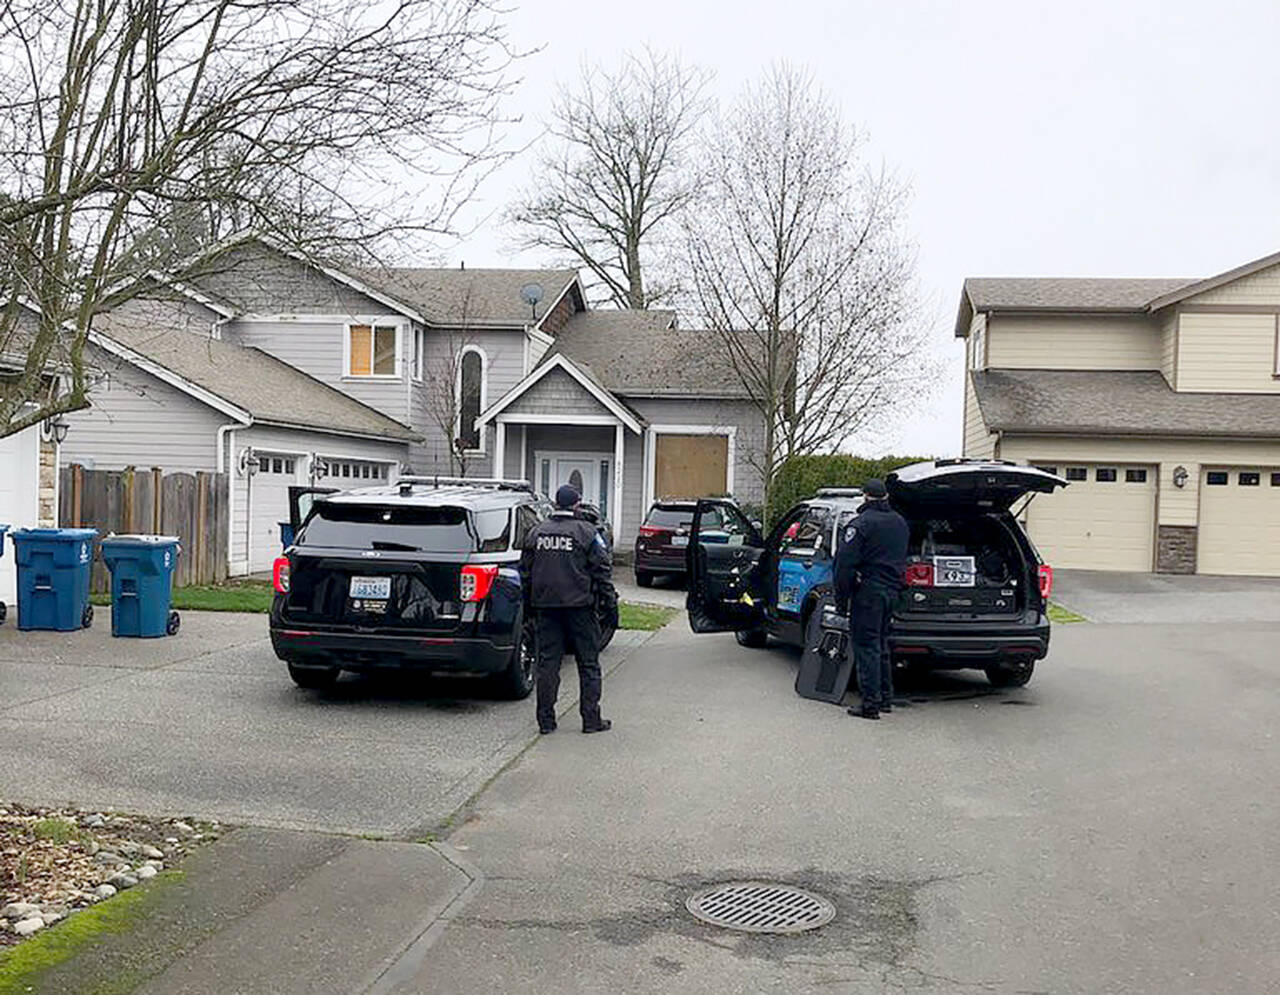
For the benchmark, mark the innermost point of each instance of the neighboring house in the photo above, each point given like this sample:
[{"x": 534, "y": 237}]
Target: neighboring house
[
  {"x": 1159, "y": 400},
  {"x": 281, "y": 371}
]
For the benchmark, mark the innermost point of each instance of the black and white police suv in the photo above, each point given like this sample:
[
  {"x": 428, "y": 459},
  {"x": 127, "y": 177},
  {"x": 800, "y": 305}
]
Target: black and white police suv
[
  {"x": 975, "y": 592},
  {"x": 423, "y": 575}
]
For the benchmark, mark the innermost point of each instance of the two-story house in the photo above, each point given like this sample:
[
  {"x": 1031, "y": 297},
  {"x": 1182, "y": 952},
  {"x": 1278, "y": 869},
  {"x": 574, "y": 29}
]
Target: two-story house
[
  {"x": 280, "y": 370},
  {"x": 1158, "y": 400}
]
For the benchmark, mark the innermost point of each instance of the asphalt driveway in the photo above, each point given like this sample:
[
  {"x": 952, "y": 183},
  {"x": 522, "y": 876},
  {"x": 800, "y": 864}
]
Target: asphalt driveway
[
  {"x": 208, "y": 723},
  {"x": 1165, "y": 599}
]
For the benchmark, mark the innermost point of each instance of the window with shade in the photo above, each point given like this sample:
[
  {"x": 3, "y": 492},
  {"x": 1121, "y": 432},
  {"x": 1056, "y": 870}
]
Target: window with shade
[
  {"x": 470, "y": 398},
  {"x": 372, "y": 350}
]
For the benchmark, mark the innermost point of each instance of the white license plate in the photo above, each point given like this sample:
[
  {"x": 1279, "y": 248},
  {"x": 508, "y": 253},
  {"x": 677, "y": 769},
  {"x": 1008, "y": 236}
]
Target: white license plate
[
  {"x": 954, "y": 571},
  {"x": 679, "y": 540},
  {"x": 371, "y": 588}
]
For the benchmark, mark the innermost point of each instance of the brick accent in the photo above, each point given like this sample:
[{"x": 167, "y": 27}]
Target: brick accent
[
  {"x": 48, "y": 484},
  {"x": 1176, "y": 549}
]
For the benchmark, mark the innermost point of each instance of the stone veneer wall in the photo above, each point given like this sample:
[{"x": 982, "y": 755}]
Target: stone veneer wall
[
  {"x": 1176, "y": 549},
  {"x": 48, "y": 483}
]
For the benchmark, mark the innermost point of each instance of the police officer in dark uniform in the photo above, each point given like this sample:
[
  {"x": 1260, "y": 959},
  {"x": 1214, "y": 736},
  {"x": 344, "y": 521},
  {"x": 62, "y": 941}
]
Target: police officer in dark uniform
[
  {"x": 868, "y": 576},
  {"x": 567, "y": 567}
]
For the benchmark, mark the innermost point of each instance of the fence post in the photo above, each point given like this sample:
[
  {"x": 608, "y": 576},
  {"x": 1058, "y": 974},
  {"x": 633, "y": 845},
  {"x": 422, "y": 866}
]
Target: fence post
[
  {"x": 157, "y": 500},
  {"x": 77, "y": 495},
  {"x": 200, "y": 541}
]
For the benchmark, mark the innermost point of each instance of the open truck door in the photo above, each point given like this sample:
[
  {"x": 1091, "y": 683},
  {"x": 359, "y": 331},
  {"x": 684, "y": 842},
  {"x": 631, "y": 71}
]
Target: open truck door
[{"x": 725, "y": 594}]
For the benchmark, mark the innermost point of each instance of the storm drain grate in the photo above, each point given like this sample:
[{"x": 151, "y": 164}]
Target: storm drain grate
[{"x": 758, "y": 907}]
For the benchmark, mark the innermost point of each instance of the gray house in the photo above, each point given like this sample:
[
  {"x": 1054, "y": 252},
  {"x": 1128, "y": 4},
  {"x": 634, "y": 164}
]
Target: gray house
[{"x": 280, "y": 371}]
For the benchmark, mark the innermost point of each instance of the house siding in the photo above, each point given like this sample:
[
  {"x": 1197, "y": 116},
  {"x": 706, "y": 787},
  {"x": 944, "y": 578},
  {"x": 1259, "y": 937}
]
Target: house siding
[
  {"x": 1169, "y": 346},
  {"x": 979, "y": 442},
  {"x": 135, "y": 419},
  {"x": 1234, "y": 353},
  {"x": 1062, "y": 342},
  {"x": 557, "y": 393},
  {"x": 559, "y": 316},
  {"x": 180, "y": 314},
  {"x": 1261, "y": 288}
]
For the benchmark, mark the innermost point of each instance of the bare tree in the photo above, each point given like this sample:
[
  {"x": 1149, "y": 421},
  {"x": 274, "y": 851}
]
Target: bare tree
[
  {"x": 618, "y": 173},
  {"x": 799, "y": 267},
  {"x": 137, "y": 133}
]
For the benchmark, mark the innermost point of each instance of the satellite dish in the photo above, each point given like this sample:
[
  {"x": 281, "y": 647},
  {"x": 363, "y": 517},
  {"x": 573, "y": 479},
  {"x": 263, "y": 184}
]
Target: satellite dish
[{"x": 532, "y": 294}]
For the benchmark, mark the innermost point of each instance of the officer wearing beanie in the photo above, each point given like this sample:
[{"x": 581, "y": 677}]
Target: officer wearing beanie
[
  {"x": 567, "y": 565},
  {"x": 869, "y": 571}
]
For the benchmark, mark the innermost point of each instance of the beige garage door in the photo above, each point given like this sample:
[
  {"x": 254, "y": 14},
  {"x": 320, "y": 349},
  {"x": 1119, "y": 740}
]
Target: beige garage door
[
  {"x": 1239, "y": 521},
  {"x": 690, "y": 466},
  {"x": 1104, "y": 520}
]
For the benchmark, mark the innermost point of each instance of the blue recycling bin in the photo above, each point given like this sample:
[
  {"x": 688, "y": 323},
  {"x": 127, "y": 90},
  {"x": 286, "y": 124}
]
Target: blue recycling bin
[
  {"x": 286, "y": 534},
  {"x": 142, "y": 584},
  {"x": 4, "y": 609},
  {"x": 53, "y": 577}
]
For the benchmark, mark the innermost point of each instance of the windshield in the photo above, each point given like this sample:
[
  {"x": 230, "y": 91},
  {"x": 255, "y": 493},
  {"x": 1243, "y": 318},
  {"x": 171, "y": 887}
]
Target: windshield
[
  {"x": 671, "y": 518},
  {"x": 406, "y": 528}
]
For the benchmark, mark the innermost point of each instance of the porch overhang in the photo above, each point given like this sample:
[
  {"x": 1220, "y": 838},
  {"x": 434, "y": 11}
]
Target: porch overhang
[{"x": 614, "y": 411}]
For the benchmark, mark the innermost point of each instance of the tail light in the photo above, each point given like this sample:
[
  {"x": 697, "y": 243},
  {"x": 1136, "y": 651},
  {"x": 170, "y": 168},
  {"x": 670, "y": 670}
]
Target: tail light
[
  {"x": 477, "y": 581},
  {"x": 652, "y": 531},
  {"x": 1046, "y": 580},
  {"x": 280, "y": 575},
  {"x": 919, "y": 575}
]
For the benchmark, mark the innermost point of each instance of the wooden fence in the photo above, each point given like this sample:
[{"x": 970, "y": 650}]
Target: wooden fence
[{"x": 191, "y": 506}]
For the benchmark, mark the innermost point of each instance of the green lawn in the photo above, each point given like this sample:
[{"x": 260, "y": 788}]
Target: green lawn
[
  {"x": 1059, "y": 614},
  {"x": 644, "y": 617}
]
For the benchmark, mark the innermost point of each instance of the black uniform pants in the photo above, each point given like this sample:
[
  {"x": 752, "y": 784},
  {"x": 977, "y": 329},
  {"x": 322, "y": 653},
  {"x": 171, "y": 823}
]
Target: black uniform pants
[
  {"x": 556, "y": 627},
  {"x": 869, "y": 619}
]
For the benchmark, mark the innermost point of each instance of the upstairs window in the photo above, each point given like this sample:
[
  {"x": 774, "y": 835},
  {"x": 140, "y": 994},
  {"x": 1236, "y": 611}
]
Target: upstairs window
[
  {"x": 420, "y": 354},
  {"x": 373, "y": 350},
  {"x": 979, "y": 340},
  {"x": 471, "y": 389}
]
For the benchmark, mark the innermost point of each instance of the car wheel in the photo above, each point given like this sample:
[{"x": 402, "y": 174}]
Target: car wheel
[
  {"x": 1012, "y": 675},
  {"x": 607, "y": 629},
  {"x": 314, "y": 678},
  {"x": 516, "y": 682},
  {"x": 644, "y": 578},
  {"x": 756, "y": 639}
]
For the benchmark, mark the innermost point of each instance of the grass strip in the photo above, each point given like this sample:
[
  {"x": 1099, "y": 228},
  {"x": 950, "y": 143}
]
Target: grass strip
[{"x": 1065, "y": 615}]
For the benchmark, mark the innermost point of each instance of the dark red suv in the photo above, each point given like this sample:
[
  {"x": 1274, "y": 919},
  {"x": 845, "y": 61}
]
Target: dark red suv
[{"x": 663, "y": 540}]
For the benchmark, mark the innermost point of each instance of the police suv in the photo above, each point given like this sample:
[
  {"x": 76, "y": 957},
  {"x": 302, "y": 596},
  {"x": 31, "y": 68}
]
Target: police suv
[
  {"x": 975, "y": 593},
  {"x": 421, "y": 575}
]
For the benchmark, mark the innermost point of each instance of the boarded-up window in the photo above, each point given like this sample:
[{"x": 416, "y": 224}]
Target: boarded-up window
[
  {"x": 690, "y": 466},
  {"x": 372, "y": 351}
]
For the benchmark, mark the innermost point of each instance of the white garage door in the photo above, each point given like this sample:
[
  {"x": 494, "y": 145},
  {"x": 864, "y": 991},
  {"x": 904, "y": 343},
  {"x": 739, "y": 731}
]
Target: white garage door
[
  {"x": 270, "y": 506},
  {"x": 346, "y": 474},
  {"x": 19, "y": 497},
  {"x": 1104, "y": 520},
  {"x": 1239, "y": 521}
]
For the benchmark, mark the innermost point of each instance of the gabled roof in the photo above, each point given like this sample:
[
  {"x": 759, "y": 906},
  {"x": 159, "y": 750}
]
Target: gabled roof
[
  {"x": 1114, "y": 402},
  {"x": 585, "y": 379},
  {"x": 244, "y": 383},
  {"x": 1213, "y": 282},
  {"x": 643, "y": 353},
  {"x": 1095, "y": 295},
  {"x": 474, "y": 297}
]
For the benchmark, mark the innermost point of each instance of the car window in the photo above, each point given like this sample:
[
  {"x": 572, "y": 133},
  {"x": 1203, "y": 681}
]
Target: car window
[
  {"x": 493, "y": 529},
  {"x": 728, "y": 521},
  {"x": 674, "y": 518},
  {"x": 811, "y": 533},
  {"x": 526, "y": 518},
  {"x": 403, "y": 528}
]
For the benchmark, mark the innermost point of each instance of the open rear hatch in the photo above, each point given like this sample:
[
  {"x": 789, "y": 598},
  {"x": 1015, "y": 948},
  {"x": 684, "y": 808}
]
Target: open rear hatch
[{"x": 959, "y": 486}]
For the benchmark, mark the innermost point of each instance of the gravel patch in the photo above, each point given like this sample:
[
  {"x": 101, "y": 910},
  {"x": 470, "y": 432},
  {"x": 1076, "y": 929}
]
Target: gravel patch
[{"x": 54, "y": 862}]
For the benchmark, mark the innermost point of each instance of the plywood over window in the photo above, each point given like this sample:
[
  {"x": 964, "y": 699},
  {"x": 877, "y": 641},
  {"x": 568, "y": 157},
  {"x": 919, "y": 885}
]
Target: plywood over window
[{"x": 690, "y": 466}]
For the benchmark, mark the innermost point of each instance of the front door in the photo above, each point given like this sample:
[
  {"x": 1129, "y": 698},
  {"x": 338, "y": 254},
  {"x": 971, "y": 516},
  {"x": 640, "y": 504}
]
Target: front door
[{"x": 590, "y": 474}]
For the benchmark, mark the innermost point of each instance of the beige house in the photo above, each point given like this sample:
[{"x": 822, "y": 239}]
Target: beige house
[{"x": 1159, "y": 400}]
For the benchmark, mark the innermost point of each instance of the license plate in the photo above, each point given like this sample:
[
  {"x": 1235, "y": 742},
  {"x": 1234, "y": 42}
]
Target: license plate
[
  {"x": 679, "y": 540},
  {"x": 371, "y": 588},
  {"x": 954, "y": 571}
]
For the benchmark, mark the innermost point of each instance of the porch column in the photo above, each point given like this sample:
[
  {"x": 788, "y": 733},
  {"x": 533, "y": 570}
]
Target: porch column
[
  {"x": 619, "y": 448},
  {"x": 500, "y": 449}
]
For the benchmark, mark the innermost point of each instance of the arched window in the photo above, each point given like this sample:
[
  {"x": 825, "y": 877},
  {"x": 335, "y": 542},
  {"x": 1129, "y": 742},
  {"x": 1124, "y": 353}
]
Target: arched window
[{"x": 470, "y": 396}]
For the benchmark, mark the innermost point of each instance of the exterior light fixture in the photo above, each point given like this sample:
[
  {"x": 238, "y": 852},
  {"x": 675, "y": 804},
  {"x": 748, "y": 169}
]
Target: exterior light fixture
[
  {"x": 1180, "y": 476},
  {"x": 56, "y": 429}
]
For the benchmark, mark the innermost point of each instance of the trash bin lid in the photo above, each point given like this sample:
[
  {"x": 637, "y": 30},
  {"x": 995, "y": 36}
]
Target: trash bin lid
[
  {"x": 66, "y": 535},
  {"x": 140, "y": 540}
]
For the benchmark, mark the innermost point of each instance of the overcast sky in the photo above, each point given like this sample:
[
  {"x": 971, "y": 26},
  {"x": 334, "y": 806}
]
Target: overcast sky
[{"x": 1085, "y": 139}]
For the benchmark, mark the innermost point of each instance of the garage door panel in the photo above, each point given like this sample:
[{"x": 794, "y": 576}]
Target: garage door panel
[
  {"x": 1097, "y": 525},
  {"x": 1239, "y": 523}
]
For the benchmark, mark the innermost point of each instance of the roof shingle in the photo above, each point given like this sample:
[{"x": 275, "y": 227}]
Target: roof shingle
[
  {"x": 1114, "y": 402},
  {"x": 470, "y": 296}
]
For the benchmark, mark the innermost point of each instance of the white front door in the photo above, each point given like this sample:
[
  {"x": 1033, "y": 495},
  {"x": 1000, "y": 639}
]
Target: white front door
[
  {"x": 19, "y": 498},
  {"x": 591, "y": 474}
]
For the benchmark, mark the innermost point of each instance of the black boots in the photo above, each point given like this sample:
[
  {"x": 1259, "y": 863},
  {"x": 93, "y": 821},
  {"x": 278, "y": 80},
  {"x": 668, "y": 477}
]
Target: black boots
[
  {"x": 601, "y": 725},
  {"x": 865, "y": 712}
]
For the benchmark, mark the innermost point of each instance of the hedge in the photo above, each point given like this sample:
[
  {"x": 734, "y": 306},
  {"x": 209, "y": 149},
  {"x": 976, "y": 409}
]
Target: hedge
[{"x": 801, "y": 476}]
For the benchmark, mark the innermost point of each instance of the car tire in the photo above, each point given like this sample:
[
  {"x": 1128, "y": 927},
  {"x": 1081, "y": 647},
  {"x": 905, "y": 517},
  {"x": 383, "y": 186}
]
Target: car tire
[
  {"x": 517, "y": 681},
  {"x": 1011, "y": 675},
  {"x": 644, "y": 578},
  {"x": 756, "y": 639},
  {"x": 314, "y": 678}
]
